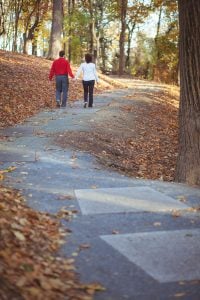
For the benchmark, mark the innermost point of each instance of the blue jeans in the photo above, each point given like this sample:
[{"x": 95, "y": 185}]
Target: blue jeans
[{"x": 62, "y": 84}]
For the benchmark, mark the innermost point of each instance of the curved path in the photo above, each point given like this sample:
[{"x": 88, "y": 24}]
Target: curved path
[{"x": 139, "y": 238}]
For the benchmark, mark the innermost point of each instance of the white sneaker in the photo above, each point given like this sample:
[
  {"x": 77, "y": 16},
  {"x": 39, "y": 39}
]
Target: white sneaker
[{"x": 57, "y": 103}]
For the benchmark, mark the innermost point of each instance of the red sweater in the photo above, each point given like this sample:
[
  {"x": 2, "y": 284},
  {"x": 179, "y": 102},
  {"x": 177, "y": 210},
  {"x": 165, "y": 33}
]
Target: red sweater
[{"x": 60, "y": 66}]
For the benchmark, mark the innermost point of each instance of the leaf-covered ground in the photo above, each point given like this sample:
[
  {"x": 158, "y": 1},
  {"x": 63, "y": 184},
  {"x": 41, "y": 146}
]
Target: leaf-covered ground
[
  {"x": 29, "y": 268},
  {"x": 140, "y": 139},
  {"x": 25, "y": 88}
]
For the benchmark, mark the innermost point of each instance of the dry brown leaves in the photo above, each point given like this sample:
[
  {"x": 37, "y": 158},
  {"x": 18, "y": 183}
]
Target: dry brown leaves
[
  {"x": 29, "y": 268},
  {"x": 25, "y": 88},
  {"x": 145, "y": 148}
]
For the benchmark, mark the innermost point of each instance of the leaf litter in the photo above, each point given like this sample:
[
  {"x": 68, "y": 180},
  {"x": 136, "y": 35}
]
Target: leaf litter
[
  {"x": 29, "y": 267},
  {"x": 138, "y": 139}
]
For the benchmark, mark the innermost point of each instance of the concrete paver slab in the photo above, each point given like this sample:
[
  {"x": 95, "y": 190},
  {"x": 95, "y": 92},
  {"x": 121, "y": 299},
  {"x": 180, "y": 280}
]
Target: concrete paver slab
[
  {"x": 130, "y": 199},
  {"x": 14, "y": 154},
  {"x": 17, "y": 131},
  {"x": 168, "y": 256}
]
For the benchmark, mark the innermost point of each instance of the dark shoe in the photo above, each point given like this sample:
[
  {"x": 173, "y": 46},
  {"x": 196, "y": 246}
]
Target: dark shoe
[
  {"x": 63, "y": 106},
  {"x": 85, "y": 104}
]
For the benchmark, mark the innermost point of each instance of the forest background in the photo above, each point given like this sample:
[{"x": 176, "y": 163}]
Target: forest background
[
  {"x": 134, "y": 37},
  {"x": 119, "y": 35}
]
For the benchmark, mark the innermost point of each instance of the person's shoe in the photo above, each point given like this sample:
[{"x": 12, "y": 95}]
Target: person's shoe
[
  {"x": 58, "y": 104},
  {"x": 85, "y": 104},
  {"x": 63, "y": 106}
]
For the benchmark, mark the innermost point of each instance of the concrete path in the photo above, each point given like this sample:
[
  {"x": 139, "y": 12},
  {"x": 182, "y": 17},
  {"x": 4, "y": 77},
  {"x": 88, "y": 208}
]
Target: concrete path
[{"x": 139, "y": 238}]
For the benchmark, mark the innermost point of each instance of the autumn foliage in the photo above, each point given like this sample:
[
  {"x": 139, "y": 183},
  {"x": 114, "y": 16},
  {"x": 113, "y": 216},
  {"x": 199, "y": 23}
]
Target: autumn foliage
[
  {"x": 25, "y": 88},
  {"x": 29, "y": 268}
]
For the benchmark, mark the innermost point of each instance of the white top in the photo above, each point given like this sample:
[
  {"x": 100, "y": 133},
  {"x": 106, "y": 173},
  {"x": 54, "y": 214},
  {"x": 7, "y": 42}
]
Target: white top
[{"x": 88, "y": 70}]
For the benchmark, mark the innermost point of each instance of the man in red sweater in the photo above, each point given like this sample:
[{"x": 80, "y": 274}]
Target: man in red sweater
[{"x": 61, "y": 69}]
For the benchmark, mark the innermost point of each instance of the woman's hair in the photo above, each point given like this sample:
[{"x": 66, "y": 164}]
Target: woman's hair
[
  {"x": 62, "y": 53},
  {"x": 88, "y": 58}
]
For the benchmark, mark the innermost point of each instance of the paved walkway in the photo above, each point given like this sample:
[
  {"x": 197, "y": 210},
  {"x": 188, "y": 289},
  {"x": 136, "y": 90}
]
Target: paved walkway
[{"x": 139, "y": 238}]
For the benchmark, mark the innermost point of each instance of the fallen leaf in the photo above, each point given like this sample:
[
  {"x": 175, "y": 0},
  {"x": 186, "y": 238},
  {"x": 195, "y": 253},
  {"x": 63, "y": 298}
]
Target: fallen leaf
[
  {"x": 19, "y": 236},
  {"x": 84, "y": 246},
  {"x": 156, "y": 224},
  {"x": 176, "y": 213},
  {"x": 65, "y": 197},
  {"x": 115, "y": 232},
  {"x": 179, "y": 295}
]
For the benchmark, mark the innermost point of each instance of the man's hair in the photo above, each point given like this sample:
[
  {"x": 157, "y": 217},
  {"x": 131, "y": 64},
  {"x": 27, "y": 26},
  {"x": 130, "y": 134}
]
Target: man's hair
[
  {"x": 62, "y": 53},
  {"x": 88, "y": 58}
]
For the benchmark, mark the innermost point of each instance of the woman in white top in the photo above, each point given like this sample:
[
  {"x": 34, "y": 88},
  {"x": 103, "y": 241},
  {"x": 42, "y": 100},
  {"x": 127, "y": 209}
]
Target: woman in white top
[{"x": 88, "y": 69}]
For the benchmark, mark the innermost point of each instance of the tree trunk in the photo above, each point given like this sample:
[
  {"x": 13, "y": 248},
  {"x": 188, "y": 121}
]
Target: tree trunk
[
  {"x": 188, "y": 163},
  {"x": 157, "y": 50},
  {"x": 17, "y": 9},
  {"x": 2, "y": 19},
  {"x": 34, "y": 48},
  {"x": 25, "y": 47},
  {"x": 91, "y": 27},
  {"x": 123, "y": 10},
  {"x": 56, "y": 30},
  {"x": 130, "y": 36},
  {"x": 70, "y": 8}
]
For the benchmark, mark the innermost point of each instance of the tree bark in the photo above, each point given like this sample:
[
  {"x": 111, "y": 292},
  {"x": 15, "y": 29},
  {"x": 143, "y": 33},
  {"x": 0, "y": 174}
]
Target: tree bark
[
  {"x": 131, "y": 28},
  {"x": 91, "y": 27},
  {"x": 70, "y": 10},
  {"x": 2, "y": 19},
  {"x": 17, "y": 9},
  {"x": 157, "y": 50},
  {"x": 188, "y": 162},
  {"x": 56, "y": 30},
  {"x": 123, "y": 10}
]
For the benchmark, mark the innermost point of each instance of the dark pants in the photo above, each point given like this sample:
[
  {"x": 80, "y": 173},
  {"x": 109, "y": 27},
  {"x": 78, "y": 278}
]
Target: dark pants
[
  {"x": 88, "y": 87},
  {"x": 62, "y": 84}
]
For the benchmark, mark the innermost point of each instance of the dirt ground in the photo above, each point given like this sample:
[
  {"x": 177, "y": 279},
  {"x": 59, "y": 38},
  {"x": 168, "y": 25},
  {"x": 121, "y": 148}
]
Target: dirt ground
[{"x": 136, "y": 135}]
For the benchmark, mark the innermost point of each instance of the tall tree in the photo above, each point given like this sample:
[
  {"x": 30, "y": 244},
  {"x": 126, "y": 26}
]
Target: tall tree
[
  {"x": 165, "y": 53},
  {"x": 188, "y": 164},
  {"x": 137, "y": 11},
  {"x": 56, "y": 30},
  {"x": 123, "y": 12},
  {"x": 71, "y": 8},
  {"x": 33, "y": 15},
  {"x": 17, "y": 8},
  {"x": 2, "y": 18}
]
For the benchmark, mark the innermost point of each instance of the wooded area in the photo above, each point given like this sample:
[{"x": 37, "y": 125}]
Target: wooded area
[
  {"x": 112, "y": 30},
  {"x": 147, "y": 54}
]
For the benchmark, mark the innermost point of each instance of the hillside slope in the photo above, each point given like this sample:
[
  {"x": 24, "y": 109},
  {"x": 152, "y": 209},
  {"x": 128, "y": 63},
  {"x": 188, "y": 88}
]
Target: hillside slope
[{"x": 25, "y": 88}]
